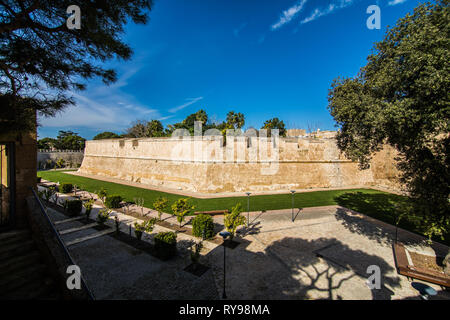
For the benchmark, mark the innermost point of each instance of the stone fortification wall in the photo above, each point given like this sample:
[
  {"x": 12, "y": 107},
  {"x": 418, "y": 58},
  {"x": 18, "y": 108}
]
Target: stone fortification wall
[{"x": 210, "y": 165}]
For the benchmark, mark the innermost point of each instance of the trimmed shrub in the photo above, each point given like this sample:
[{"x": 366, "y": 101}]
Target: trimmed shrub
[
  {"x": 203, "y": 225},
  {"x": 74, "y": 207},
  {"x": 113, "y": 201},
  {"x": 103, "y": 216},
  {"x": 66, "y": 187},
  {"x": 166, "y": 244}
]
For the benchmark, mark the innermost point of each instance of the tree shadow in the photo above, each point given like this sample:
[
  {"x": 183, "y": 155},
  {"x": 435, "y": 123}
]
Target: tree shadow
[
  {"x": 386, "y": 208},
  {"x": 295, "y": 268}
]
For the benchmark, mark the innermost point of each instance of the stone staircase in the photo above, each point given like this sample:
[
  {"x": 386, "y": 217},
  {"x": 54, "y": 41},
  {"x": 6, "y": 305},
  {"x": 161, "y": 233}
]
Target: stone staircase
[{"x": 23, "y": 274}]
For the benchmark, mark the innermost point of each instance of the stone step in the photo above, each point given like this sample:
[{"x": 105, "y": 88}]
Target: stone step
[
  {"x": 15, "y": 263},
  {"x": 21, "y": 277},
  {"x": 15, "y": 249},
  {"x": 40, "y": 290},
  {"x": 15, "y": 234},
  {"x": 89, "y": 237},
  {"x": 17, "y": 239},
  {"x": 68, "y": 220},
  {"x": 86, "y": 226}
]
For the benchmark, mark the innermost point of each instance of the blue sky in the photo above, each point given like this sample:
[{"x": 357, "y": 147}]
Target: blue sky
[{"x": 263, "y": 58}]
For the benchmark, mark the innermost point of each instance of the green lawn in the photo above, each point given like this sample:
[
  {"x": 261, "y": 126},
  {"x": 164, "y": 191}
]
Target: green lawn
[{"x": 374, "y": 203}]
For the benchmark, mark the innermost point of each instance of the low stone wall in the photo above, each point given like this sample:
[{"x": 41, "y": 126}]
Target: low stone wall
[
  {"x": 71, "y": 158},
  {"x": 208, "y": 165}
]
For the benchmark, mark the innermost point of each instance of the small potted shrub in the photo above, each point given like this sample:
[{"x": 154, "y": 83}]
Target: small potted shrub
[
  {"x": 74, "y": 207},
  {"x": 195, "y": 253},
  {"x": 103, "y": 216},
  {"x": 166, "y": 244},
  {"x": 233, "y": 220},
  {"x": 66, "y": 187},
  {"x": 88, "y": 207},
  {"x": 181, "y": 208},
  {"x": 203, "y": 226},
  {"x": 139, "y": 228},
  {"x": 160, "y": 205},
  {"x": 113, "y": 201},
  {"x": 102, "y": 193}
]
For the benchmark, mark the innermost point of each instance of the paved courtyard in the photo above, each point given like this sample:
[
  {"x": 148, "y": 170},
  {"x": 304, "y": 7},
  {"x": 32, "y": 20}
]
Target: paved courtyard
[{"x": 323, "y": 254}]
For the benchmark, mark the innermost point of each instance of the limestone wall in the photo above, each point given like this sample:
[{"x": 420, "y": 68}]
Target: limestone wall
[{"x": 241, "y": 164}]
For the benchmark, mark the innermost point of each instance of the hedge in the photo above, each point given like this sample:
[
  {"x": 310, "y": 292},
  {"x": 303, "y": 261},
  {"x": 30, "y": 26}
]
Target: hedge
[
  {"x": 66, "y": 187},
  {"x": 113, "y": 201},
  {"x": 74, "y": 207},
  {"x": 166, "y": 244},
  {"x": 203, "y": 226}
]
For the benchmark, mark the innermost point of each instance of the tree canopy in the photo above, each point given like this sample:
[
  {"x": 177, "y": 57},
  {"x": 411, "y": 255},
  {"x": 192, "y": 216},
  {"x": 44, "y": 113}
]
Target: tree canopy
[
  {"x": 41, "y": 59},
  {"x": 402, "y": 98},
  {"x": 275, "y": 123},
  {"x": 106, "y": 135}
]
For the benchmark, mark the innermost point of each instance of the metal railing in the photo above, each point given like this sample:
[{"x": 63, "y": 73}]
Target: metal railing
[{"x": 61, "y": 243}]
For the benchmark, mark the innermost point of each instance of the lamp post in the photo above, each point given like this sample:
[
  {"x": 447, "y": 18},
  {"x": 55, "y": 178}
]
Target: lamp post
[
  {"x": 292, "y": 216},
  {"x": 225, "y": 235},
  {"x": 248, "y": 207}
]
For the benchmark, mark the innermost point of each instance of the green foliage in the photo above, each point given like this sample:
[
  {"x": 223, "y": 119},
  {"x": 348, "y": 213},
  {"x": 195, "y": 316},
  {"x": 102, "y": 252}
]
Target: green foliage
[
  {"x": 401, "y": 98},
  {"x": 235, "y": 120},
  {"x": 60, "y": 163},
  {"x": 144, "y": 226},
  {"x": 103, "y": 215},
  {"x": 146, "y": 129},
  {"x": 203, "y": 226},
  {"x": 88, "y": 205},
  {"x": 74, "y": 207},
  {"x": 43, "y": 61},
  {"x": 102, "y": 193},
  {"x": 49, "y": 193},
  {"x": 234, "y": 219},
  {"x": 160, "y": 205},
  {"x": 113, "y": 201},
  {"x": 181, "y": 208},
  {"x": 139, "y": 228},
  {"x": 166, "y": 244},
  {"x": 46, "y": 143},
  {"x": 106, "y": 135},
  {"x": 275, "y": 123},
  {"x": 66, "y": 187},
  {"x": 195, "y": 252}
]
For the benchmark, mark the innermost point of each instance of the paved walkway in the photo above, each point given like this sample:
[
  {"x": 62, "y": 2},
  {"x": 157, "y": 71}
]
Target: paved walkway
[{"x": 323, "y": 254}]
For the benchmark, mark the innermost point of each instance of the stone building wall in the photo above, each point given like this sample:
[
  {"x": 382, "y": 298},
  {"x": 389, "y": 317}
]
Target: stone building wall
[
  {"x": 71, "y": 158},
  {"x": 24, "y": 174},
  {"x": 245, "y": 164}
]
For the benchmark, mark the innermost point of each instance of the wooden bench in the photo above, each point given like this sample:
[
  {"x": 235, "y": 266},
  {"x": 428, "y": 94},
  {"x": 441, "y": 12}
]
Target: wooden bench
[
  {"x": 404, "y": 268},
  {"x": 212, "y": 213}
]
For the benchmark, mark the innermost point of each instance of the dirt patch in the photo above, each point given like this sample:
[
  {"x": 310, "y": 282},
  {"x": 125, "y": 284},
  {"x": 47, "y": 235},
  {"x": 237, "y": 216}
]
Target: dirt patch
[{"x": 427, "y": 262}]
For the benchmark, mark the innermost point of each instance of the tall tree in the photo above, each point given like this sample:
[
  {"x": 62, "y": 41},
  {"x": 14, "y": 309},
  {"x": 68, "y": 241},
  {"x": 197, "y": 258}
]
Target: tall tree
[
  {"x": 402, "y": 98},
  {"x": 235, "y": 120},
  {"x": 275, "y": 123},
  {"x": 106, "y": 135},
  {"x": 41, "y": 59}
]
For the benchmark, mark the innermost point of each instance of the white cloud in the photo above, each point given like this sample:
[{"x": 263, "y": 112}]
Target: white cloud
[
  {"x": 288, "y": 15},
  {"x": 105, "y": 115},
  {"x": 191, "y": 101},
  {"x": 395, "y": 2},
  {"x": 318, "y": 12},
  {"x": 238, "y": 30}
]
